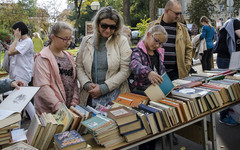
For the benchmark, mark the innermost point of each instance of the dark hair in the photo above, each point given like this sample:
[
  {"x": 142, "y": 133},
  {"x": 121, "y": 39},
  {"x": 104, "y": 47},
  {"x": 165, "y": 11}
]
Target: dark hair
[{"x": 21, "y": 26}]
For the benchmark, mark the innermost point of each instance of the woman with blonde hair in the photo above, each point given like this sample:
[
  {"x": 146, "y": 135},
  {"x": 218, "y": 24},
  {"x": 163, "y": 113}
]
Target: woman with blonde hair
[
  {"x": 208, "y": 32},
  {"x": 54, "y": 72},
  {"x": 103, "y": 60},
  {"x": 37, "y": 42}
]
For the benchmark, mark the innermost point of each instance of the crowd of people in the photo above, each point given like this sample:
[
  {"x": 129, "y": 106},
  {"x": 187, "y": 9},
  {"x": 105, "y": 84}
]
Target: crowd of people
[{"x": 105, "y": 61}]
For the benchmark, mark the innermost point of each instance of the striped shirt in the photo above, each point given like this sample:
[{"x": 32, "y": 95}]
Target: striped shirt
[{"x": 170, "y": 60}]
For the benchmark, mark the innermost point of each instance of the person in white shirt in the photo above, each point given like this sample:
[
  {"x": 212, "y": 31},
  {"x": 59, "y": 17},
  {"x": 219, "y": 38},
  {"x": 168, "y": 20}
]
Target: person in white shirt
[{"x": 21, "y": 61}]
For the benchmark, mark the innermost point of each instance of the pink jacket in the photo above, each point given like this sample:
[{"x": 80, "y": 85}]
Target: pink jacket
[{"x": 46, "y": 75}]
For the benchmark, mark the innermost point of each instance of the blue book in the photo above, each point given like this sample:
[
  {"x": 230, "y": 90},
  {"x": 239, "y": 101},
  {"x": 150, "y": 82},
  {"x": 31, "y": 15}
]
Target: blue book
[
  {"x": 166, "y": 86},
  {"x": 70, "y": 140},
  {"x": 156, "y": 114},
  {"x": 157, "y": 92}
]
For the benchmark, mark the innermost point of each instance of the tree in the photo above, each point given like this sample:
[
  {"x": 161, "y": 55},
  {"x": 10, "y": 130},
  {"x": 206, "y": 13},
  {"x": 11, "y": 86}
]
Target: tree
[
  {"x": 126, "y": 12},
  {"x": 198, "y": 8},
  {"x": 152, "y": 9}
]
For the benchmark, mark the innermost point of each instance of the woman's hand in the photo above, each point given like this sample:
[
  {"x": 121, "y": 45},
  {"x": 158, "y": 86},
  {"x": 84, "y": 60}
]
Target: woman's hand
[
  {"x": 155, "y": 78},
  {"x": 95, "y": 91},
  {"x": 16, "y": 84}
]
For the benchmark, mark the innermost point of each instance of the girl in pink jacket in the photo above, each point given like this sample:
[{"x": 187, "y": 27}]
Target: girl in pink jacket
[{"x": 54, "y": 72}]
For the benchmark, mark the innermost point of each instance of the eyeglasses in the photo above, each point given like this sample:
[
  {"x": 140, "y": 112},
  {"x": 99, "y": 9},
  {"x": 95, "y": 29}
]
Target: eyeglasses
[
  {"x": 64, "y": 40},
  {"x": 156, "y": 41},
  {"x": 176, "y": 13},
  {"x": 106, "y": 26}
]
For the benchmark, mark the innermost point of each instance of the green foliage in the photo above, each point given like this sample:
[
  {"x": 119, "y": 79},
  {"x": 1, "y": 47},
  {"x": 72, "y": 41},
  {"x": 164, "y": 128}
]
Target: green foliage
[
  {"x": 198, "y": 8},
  {"x": 142, "y": 26},
  {"x": 3, "y": 34},
  {"x": 138, "y": 10}
]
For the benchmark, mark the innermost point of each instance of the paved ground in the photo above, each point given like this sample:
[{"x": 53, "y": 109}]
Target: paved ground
[{"x": 228, "y": 138}]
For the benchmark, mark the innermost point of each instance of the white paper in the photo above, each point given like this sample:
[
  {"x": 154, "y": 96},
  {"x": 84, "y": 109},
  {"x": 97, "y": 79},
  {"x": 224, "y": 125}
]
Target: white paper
[
  {"x": 234, "y": 61},
  {"x": 17, "y": 100},
  {"x": 18, "y": 135}
]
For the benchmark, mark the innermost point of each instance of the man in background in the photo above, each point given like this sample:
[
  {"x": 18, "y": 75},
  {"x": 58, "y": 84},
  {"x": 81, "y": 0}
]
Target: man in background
[{"x": 178, "y": 48}]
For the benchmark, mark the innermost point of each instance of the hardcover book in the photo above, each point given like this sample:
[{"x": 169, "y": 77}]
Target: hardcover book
[
  {"x": 33, "y": 130},
  {"x": 20, "y": 146},
  {"x": 121, "y": 115},
  {"x": 156, "y": 93},
  {"x": 134, "y": 135},
  {"x": 64, "y": 115},
  {"x": 69, "y": 140},
  {"x": 131, "y": 99}
]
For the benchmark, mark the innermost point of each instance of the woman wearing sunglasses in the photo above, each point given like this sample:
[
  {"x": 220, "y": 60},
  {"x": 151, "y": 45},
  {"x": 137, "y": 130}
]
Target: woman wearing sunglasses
[
  {"x": 54, "y": 72},
  {"x": 103, "y": 60}
]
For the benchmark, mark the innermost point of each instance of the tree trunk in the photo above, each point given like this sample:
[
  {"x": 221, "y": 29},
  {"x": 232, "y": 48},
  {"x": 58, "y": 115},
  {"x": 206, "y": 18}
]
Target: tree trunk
[
  {"x": 126, "y": 12},
  {"x": 152, "y": 9}
]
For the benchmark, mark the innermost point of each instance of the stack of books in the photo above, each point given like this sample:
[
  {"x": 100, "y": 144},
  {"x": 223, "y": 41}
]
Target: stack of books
[
  {"x": 129, "y": 126},
  {"x": 10, "y": 111},
  {"x": 41, "y": 130},
  {"x": 104, "y": 130},
  {"x": 70, "y": 140},
  {"x": 5, "y": 133}
]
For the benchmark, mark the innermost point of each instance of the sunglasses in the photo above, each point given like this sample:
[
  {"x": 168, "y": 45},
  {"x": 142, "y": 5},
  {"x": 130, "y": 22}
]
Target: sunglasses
[
  {"x": 64, "y": 40},
  {"x": 176, "y": 13},
  {"x": 106, "y": 26}
]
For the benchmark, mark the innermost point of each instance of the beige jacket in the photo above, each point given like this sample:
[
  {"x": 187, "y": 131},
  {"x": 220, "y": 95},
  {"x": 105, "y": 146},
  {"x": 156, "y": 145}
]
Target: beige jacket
[
  {"x": 199, "y": 46},
  {"x": 183, "y": 48},
  {"x": 118, "y": 58}
]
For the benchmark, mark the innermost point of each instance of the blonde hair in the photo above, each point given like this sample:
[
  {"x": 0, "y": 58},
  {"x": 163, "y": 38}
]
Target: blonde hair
[
  {"x": 36, "y": 35},
  {"x": 124, "y": 30},
  {"x": 157, "y": 29},
  {"x": 57, "y": 28},
  {"x": 205, "y": 19},
  {"x": 107, "y": 13}
]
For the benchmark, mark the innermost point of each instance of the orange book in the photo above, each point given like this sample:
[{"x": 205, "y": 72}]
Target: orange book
[
  {"x": 176, "y": 105},
  {"x": 131, "y": 99}
]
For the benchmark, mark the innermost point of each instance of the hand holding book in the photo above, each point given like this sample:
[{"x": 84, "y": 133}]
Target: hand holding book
[{"x": 155, "y": 78}]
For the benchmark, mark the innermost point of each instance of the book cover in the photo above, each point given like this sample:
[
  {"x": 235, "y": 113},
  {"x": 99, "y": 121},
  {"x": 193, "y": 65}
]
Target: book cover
[
  {"x": 20, "y": 145},
  {"x": 156, "y": 114},
  {"x": 16, "y": 101},
  {"x": 97, "y": 122},
  {"x": 33, "y": 130},
  {"x": 63, "y": 114},
  {"x": 70, "y": 140},
  {"x": 156, "y": 93},
  {"x": 131, "y": 99},
  {"x": 134, "y": 135},
  {"x": 130, "y": 126},
  {"x": 121, "y": 115},
  {"x": 12, "y": 119}
]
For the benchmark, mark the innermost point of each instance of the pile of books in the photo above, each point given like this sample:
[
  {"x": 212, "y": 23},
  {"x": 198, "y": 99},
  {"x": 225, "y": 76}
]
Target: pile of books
[
  {"x": 129, "y": 125},
  {"x": 70, "y": 140},
  {"x": 42, "y": 129},
  {"x": 10, "y": 111},
  {"x": 5, "y": 133},
  {"x": 104, "y": 130},
  {"x": 20, "y": 145}
]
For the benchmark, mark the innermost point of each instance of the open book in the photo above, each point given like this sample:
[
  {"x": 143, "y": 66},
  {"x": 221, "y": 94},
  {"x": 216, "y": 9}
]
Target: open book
[{"x": 16, "y": 101}]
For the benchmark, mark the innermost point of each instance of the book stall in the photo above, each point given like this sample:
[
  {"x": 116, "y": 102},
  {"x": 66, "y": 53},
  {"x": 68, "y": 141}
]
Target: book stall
[{"x": 130, "y": 120}]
